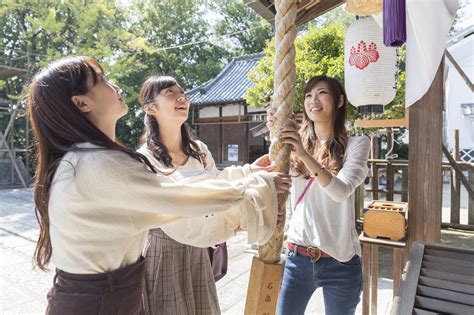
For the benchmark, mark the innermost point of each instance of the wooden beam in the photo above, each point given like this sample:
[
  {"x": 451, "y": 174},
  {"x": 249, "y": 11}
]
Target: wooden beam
[
  {"x": 307, "y": 9},
  {"x": 315, "y": 9},
  {"x": 460, "y": 70},
  {"x": 470, "y": 206},
  {"x": 424, "y": 170},
  {"x": 383, "y": 123},
  {"x": 455, "y": 182},
  {"x": 459, "y": 173},
  {"x": 405, "y": 301}
]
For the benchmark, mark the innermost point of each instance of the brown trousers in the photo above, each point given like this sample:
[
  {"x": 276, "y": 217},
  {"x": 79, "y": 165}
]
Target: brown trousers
[{"x": 115, "y": 292}]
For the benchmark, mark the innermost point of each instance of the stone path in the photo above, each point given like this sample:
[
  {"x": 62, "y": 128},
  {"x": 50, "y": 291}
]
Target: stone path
[{"x": 23, "y": 290}]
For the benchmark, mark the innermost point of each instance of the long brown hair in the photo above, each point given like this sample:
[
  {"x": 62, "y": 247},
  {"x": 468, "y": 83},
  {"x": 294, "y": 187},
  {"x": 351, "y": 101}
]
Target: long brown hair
[
  {"x": 57, "y": 125},
  {"x": 331, "y": 153},
  {"x": 151, "y": 135}
]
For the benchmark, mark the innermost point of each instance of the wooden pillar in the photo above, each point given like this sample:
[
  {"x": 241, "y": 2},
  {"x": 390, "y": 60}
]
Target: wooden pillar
[
  {"x": 405, "y": 184},
  {"x": 455, "y": 183},
  {"x": 246, "y": 147},
  {"x": 397, "y": 269},
  {"x": 366, "y": 253},
  {"x": 390, "y": 181},
  {"x": 221, "y": 155},
  {"x": 425, "y": 177},
  {"x": 470, "y": 219},
  {"x": 390, "y": 171},
  {"x": 374, "y": 154},
  {"x": 359, "y": 201},
  {"x": 374, "y": 277}
]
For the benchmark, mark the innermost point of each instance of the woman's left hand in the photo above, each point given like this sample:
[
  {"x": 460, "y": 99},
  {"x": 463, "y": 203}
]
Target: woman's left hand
[
  {"x": 289, "y": 135},
  {"x": 263, "y": 163}
]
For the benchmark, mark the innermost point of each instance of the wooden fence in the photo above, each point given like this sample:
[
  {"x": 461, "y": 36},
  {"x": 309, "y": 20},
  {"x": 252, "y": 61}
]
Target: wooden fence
[{"x": 389, "y": 181}]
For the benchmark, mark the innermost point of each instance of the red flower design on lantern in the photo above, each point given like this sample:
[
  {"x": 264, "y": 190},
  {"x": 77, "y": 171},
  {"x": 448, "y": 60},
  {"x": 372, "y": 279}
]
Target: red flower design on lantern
[{"x": 363, "y": 55}]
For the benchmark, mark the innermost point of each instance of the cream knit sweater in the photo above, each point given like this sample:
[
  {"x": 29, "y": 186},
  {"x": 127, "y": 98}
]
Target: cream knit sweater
[{"x": 103, "y": 203}]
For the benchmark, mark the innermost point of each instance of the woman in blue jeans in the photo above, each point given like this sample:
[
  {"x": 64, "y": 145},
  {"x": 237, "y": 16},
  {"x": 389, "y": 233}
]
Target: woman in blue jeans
[{"x": 323, "y": 246}]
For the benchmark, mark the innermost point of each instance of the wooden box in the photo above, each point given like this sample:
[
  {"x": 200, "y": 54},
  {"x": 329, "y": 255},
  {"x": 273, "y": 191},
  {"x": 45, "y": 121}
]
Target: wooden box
[{"x": 385, "y": 219}]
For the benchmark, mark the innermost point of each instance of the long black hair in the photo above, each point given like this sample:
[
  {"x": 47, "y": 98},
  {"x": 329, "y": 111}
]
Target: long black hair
[{"x": 151, "y": 135}]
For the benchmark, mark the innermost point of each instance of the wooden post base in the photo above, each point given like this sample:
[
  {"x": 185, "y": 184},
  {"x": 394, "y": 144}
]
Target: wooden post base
[{"x": 264, "y": 286}]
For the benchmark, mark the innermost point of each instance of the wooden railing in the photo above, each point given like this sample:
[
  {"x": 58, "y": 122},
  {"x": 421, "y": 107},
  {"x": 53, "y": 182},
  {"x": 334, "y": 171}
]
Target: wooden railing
[{"x": 389, "y": 181}]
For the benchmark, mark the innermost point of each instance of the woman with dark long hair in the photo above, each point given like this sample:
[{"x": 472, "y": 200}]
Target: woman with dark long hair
[
  {"x": 96, "y": 199},
  {"x": 179, "y": 277},
  {"x": 323, "y": 248}
]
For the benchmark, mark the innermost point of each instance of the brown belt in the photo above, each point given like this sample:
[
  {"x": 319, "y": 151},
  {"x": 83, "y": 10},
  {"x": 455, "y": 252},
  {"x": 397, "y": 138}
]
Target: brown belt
[{"x": 313, "y": 253}]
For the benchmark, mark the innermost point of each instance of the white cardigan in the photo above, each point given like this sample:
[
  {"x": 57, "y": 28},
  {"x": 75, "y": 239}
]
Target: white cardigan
[
  {"x": 325, "y": 216},
  {"x": 102, "y": 204},
  {"x": 214, "y": 228}
]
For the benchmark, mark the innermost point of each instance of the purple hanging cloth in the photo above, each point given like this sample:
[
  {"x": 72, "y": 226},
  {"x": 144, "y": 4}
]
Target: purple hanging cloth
[{"x": 394, "y": 23}]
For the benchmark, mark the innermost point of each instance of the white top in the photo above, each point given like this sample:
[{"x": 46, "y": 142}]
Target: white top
[
  {"x": 102, "y": 204},
  {"x": 324, "y": 218},
  {"x": 214, "y": 228}
]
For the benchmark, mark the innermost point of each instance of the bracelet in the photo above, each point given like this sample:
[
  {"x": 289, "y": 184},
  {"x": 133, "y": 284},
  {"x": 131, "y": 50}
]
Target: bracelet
[{"x": 320, "y": 170}]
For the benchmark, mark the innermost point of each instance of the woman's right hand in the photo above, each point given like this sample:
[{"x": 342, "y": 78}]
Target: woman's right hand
[{"x": 282, "y": 182}]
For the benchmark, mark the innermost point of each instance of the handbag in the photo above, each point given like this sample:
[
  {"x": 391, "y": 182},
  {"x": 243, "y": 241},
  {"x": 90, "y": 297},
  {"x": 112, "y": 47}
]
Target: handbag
[{"x": 218, "y": 257}]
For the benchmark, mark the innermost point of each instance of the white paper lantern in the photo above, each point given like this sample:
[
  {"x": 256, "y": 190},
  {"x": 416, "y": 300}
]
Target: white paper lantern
[{"x": 370, "y": 67}]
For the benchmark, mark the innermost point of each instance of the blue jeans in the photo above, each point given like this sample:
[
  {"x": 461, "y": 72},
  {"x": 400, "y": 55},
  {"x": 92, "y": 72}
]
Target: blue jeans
[{"x": 341, "y": 283}]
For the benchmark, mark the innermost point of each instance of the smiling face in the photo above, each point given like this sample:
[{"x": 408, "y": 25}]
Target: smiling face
[
  {"x": 169, "y": 105},
  {"x": 319, "y": 103}
]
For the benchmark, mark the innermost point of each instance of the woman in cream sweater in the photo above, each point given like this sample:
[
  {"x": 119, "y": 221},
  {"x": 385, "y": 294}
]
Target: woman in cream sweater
[{"x": 96, "y": 199}]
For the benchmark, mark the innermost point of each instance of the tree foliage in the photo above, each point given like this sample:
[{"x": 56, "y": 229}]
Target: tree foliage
[
  {"x": 235, "y": 17},
  {"x": 132, "y": 41},
  {"x": 320, "y": 50}
]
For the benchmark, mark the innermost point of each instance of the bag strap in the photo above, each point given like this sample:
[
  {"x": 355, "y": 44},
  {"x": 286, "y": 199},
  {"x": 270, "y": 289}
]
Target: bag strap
[{"x": 304, "y": 191}]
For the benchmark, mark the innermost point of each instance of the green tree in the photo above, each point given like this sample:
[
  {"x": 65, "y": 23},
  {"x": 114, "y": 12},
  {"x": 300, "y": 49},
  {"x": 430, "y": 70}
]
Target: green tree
[
  {"x": 318, "y": 51},
  {"x": 336, "y": 16},
  {"x": 171, "y": 40},
  {"x": 129, "y": 41},
  {"x": 251, "y": 30},
  {"x": 33, "y": 33}
]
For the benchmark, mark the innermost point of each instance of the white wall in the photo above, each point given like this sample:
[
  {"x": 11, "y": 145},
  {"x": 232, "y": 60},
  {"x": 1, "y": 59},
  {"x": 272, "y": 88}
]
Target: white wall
[
  {"x": 227, "y": 110},
  {"x": 209, "y": 111},
  {"x": 457, "y": 93},
  {"x": 233, "y": 110},
  {"x": 251, "y": 109}
]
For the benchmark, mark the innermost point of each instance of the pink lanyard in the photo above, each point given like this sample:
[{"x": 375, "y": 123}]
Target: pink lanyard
[{"x": 304, "y": 191}]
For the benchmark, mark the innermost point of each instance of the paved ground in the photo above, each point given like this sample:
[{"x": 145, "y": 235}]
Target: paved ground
[{"x": 23, "y": 290}]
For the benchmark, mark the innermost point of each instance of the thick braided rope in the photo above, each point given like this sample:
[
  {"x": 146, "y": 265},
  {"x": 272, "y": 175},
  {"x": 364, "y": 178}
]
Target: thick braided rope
[{"x": 283, "y": 100}]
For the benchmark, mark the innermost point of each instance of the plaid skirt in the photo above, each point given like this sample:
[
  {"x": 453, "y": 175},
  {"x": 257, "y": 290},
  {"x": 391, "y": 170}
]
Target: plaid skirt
[{"x": 178, "y": 278}]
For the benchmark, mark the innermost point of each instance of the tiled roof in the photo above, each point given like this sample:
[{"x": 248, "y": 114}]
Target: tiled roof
[{"x": 229, "y": 86}]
